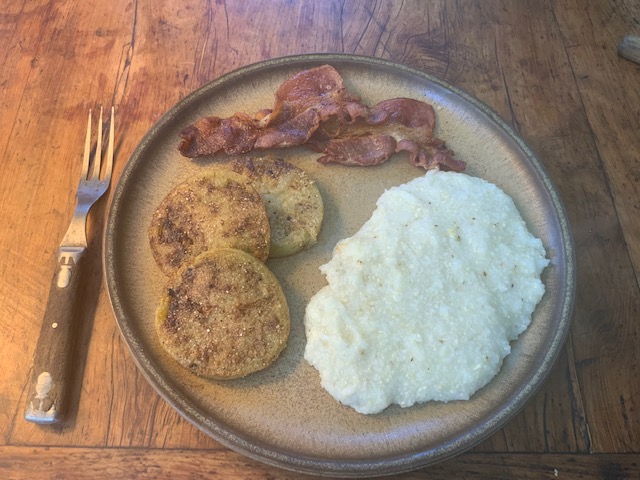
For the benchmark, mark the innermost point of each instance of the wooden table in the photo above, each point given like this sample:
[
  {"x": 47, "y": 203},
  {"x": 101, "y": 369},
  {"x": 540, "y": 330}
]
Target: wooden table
[{"x": 549, "y": 68}]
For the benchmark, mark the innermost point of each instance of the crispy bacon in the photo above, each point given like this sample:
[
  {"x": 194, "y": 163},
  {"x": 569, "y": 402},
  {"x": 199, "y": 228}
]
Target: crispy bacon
[
  {"x": 212, "y": 135},
  {"x": 362, "y": 150},
  {"x": 391, "y": 126},
  {"x": 314, "y": 109},
  {"x": 321, "y": 89},
  {"x": 295, "y": 131}
]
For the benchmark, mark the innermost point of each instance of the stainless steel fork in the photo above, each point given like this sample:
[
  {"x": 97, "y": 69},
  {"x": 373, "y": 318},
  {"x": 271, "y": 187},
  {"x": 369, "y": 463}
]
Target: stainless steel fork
[{"x": 48, "y": 397}]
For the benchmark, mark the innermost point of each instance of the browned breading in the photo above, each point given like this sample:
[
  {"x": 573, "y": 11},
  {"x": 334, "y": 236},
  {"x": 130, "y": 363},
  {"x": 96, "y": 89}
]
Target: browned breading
[
  {"x": 216, "y": 209},
  {"x": 223, "y": 316},
  {"x": 292, "y": 200}
]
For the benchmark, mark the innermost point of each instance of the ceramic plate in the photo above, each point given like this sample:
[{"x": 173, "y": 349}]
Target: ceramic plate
[{"x": 281, "y": 415}]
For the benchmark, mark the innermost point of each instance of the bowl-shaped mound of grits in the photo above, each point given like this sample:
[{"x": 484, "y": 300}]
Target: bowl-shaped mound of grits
[{"x": 423, "y": 301}]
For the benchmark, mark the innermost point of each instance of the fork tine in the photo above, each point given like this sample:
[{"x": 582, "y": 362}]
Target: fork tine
[
  {"x": 97, "y": 159},
  {"x": 87, "y": 149},
  {"x": 109, "y": 166}
]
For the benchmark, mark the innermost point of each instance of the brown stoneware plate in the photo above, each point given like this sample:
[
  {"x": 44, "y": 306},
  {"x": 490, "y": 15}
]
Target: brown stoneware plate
[{"x": 281, "y": 415}]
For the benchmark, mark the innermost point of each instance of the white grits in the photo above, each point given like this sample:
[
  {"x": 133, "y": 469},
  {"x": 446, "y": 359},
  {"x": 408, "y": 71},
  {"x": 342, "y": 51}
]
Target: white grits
[{"x": 423, "y": 300}]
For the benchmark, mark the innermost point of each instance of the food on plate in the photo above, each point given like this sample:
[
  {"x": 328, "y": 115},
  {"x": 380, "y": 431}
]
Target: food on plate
[
  {"x": 223, "y": 315},
  {"x": 292, "y": 200},
  {"x": 372, "y": 136},
  {"x": 215, "y": 209},
  {"x": 423, "y": 301},
  {"x": 314, "y": 108}
]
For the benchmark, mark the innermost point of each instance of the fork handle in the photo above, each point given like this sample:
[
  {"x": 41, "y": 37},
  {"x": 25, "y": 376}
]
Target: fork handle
[{"x": 48, "y": 395}]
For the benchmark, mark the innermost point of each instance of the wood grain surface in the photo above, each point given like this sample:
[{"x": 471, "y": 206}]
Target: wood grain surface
[{"x": 550, "y": 68}]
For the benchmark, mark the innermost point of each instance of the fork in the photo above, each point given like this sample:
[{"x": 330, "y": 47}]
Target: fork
[{"x": 48, "y": 397}]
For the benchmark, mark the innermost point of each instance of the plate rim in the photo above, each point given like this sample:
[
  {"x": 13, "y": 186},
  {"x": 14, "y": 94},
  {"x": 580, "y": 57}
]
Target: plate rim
[{"x": 321, "y": 466}]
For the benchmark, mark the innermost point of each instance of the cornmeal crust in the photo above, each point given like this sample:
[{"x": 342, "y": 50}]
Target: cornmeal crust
[
  {"x": 217, "y": 209},
  {"x": 223, "y": 316},
  {"x": 292, "y": 200}
]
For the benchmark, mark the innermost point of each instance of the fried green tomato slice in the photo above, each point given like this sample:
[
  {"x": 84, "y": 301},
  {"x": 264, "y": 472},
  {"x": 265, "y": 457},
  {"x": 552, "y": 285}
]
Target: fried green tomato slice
[
  {"x": 223, "y": 316},
  {"x": 216, "y": 209},
  {"x": 292, "y": 200}
]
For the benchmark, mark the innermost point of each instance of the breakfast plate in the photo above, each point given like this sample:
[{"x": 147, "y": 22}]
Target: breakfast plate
[{"x": 281, "y": 415}]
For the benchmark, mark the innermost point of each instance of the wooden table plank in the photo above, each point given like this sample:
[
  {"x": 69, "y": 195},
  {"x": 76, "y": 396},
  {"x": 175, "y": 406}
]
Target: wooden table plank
[
  {"x": 142, "y": 463},
  {"x": 46, "y": 152},
  {"x": 609, "y": 89},
  {"x": 27, "y": 252}
]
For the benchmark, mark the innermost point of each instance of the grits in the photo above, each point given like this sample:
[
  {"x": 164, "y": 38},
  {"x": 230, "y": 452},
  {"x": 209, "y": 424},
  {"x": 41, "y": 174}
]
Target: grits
[{"x": 423, "y": 300}]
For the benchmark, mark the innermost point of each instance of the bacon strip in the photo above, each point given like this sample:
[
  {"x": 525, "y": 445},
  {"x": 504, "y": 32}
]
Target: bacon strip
[
  {"x": 314, "y": 109},
  {"x": 212, "y": 135}
]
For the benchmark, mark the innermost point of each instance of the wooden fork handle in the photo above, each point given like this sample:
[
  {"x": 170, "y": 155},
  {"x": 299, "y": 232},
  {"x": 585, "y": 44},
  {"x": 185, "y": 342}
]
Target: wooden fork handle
[{"x": 48, "y": 392}]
